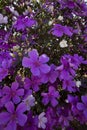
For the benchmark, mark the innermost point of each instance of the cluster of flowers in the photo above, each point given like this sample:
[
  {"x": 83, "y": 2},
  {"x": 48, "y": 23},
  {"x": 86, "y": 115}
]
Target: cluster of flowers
[{"x": 43, "y": 65}]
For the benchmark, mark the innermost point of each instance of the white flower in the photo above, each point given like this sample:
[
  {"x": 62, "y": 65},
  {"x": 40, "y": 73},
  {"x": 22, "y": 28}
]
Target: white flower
[
  {"x": 60, "y": 18},
  {"x": 50, "y": 23},
  {"x": 78, "y": 83},
  {"x": 38, "y": 1},
  {"x": 29, "y": 101},
  {"x": 63, "y": 44},
  {"x": 35, "y": 1},
  {"x": 14, "y": 11},
  {"x": 42, "y": 120},
  {"x": 3, "y": 19}
]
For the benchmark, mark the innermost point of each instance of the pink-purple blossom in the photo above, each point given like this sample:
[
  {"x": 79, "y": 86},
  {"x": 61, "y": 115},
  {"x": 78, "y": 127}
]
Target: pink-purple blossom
[
  {"x": 13, "y": 116},
  {"x": 14, "y": 93},
  {"x": 59, "y": 30},
  {"x": 24, "y": 22},
  {"x": 52, "y": 97},
  {"x": 36, "y": 63}
]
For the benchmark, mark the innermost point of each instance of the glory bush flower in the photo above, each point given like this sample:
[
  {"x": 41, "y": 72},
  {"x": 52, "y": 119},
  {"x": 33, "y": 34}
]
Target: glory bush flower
[
  {"x": 52, "y": 97},
  {"x": 51, "y": 76},
  {"x": 59, "y": 30},
  {"x": 63, "y": 44},
  {"x": 12, "y": 117},
  {"x": 24, "y": 22},
  {"x": 82, "y": 106},
  {"x": 13, "y": 92},
  {"x": 29, "y": 101},
  {"x": 69, "y": 85},
  {"x": 43, "y": 46},
  {"x": 32, "y": 122},
  {"x": 3, "y": 19},
  {"x": 33, "y": 83},
  {"x": 36, "y": 63},
  {"x": 42, "y": 120}
]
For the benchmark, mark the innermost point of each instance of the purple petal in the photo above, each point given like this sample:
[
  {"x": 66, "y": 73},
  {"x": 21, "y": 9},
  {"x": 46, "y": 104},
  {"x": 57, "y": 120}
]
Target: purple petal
[
  {"x": 11, "y": 125},
  {"x": 6, "y": 90},
  {"x": 30, "y": 22},
  {"x": 51, "y": 89},
  {"x": 43, "y": 58},
  {"x": 14, "y": 86},
  {"x": 10, "y": 107},
  {"x": 54, "y": 102},
  {"x": 44, "y": 78},
  {"x": 56, "y": 94},
  {"x": 84, "y": 99},
  {"x": 45, "y": 68},
  {"x": 35, "y": 71},
  {"x": 53, "y": 77},
  {"x": 45, "y": 100},
  {"x": 80, "y": 106},
  {"x": 3, "y": 73},
  {"x": 4, "y": 117},
  {"x": 5, "y": 99},
  {"x": 35, "y": 88},
  {"x": 26, "y": 62},
  {"x": 21, "y": 108},
  {"x": 33, "y": 54},
  {"x": 20, "y": 92},
  {"x": 57, "y": 33},
  {"x": 85, "y": 113},
  {"x": 66, "y": 122},
  {"x": 22, "y": 119},
  {"x": 67, "y": 31}
]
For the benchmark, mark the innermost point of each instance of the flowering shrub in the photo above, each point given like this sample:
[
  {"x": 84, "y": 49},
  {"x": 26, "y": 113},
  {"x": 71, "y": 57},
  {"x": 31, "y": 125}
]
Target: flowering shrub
[{"x": 43, "y": 65}]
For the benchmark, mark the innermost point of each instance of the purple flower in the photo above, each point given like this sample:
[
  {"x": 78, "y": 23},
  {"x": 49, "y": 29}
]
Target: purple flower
[
  {"x": 23, "y": 22},
  {"x": 3, "y": 19},
  {"x": 51, "y": 118},
  {"x": 51, "y": 97},
  {"x": 69, "y": 65},
  {"x": 32, "y": 122},
  {"x": 36, "y": 63},
  {"x": 69, "y": 85},
  {"x": 64, "y": 116},
  {"x": 82, "y": 106},
  {"x": 29, "y": 101},
  {"x": 66, "y": 68},
  {"x": 73, "y": 100},
  {"x": 27, "y": 83},
  {"x": 5, "y": 64},
  {"x": 13, "y": 117},
  {"x": 59, "y": 30},
  {"x": 67, "y": 4},
  {"x": 3, "y": 73},
  {"x": 33, "y": 83},
  {"x": 42, "y": 120},
  {"x": 13, "y": 93},
  {"x": 51, "y": 76}
]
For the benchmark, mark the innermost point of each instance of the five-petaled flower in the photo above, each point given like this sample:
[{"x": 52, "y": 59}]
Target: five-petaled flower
[
  {"x": 51, "y": 97},
  {"x": 82, "y": 106},
  {"x": 59, "y": 30},
  {"x": 42, "y": 121},
  {"x": 13, "y": 93},
  {"x": 36, "y": 63},
  {"x": 12, "y": 117}
]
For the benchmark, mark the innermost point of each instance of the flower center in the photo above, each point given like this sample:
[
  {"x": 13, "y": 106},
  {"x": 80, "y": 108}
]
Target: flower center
[
  {"x": 13, "y": 93},
  {"x": 37, "y": 64},
  {"x": 14, "y": 116}
]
